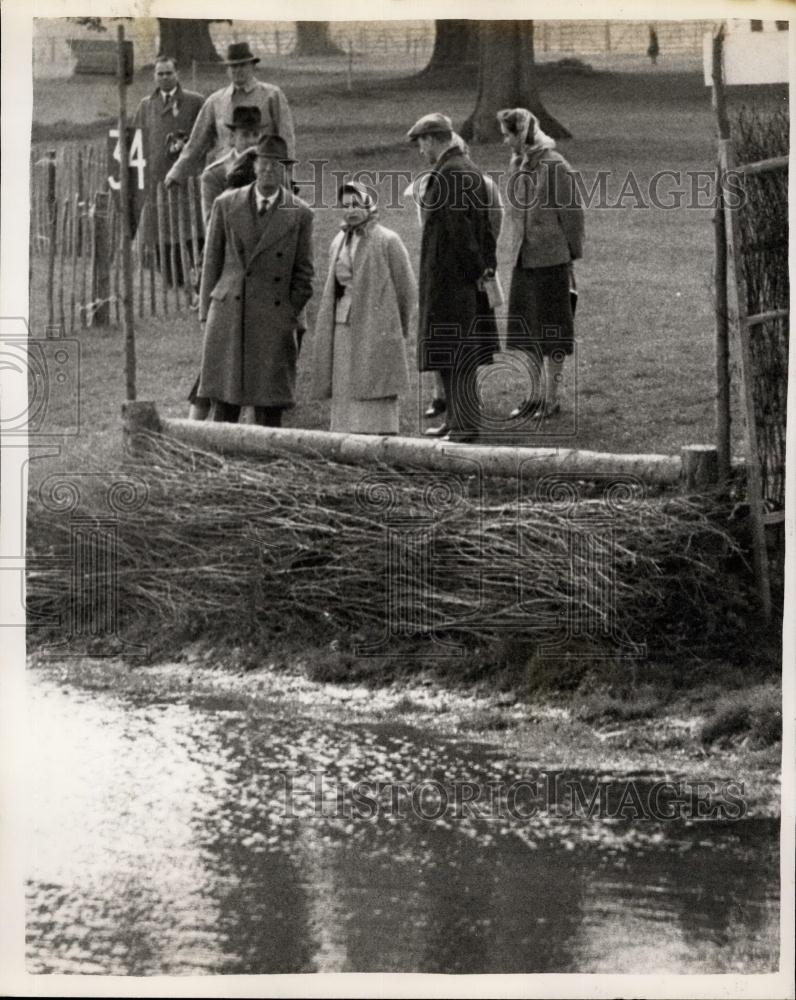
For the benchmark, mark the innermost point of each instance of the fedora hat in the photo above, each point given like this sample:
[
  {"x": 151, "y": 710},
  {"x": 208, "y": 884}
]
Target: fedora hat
[
  {"x": 274, "y": 147},
  {"x": 238, "y": 53},
  {"x": 245, "y": 117}
]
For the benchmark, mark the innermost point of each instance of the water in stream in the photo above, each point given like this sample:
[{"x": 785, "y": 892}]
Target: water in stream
[{"x": 175, "y": 838}]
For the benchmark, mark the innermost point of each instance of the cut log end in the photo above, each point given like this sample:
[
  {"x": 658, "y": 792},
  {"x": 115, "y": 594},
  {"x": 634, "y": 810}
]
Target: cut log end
[{"x": 700, "y": 466}]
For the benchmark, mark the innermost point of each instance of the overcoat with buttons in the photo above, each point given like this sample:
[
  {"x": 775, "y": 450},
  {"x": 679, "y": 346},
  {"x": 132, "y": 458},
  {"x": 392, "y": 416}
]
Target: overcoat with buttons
[
  {"x": 256, "y": 279},
  {"x": 383, "y": 303},
  {"x": 456, "y": 324},
  {"x": 158, "y": 122}
]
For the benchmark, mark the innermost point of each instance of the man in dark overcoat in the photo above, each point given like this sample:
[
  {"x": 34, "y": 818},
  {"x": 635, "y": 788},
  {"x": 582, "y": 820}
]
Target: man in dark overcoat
[
  {"x": 456, "y": 325},
  {"x": 166, "y": 117},
  {"x": 256, "y": 279}
]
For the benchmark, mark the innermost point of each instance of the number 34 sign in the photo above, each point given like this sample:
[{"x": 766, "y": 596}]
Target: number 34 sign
[{"x": 136, "y": 166}]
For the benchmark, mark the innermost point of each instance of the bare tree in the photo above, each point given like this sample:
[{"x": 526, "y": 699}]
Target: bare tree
[
  {"x": 507, "y": 79},
  {"x": 313, "y": 39},
  {"x": 184, "y": 38},
  {"x": 455, "y": 45}
]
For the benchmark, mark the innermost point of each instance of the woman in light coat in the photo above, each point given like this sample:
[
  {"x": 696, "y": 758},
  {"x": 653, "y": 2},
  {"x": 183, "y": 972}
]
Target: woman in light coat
[
  {"x": 363, "y": 321},
  {"x": 545, "y": 222}
]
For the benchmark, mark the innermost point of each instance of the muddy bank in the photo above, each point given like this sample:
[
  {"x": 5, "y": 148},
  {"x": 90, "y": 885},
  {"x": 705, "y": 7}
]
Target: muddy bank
[{"x": 576, "y": 731}]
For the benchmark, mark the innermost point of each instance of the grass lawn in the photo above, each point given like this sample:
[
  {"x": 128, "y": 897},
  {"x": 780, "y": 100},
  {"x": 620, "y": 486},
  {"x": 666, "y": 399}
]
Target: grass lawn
[{"x": 643, "y": 378}]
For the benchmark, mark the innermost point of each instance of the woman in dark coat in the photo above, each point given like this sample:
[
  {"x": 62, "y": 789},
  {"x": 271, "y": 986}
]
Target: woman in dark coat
[{"x": 545, "y": 223}]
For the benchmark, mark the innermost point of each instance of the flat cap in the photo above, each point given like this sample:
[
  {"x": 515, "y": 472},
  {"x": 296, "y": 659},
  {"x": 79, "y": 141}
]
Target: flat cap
[{"x": 432, "y": 124}]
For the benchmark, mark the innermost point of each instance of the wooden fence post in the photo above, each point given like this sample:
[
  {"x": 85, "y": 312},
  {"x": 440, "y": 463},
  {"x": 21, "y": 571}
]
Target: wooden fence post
[
  {"x": 722, "y": 342},
  {"x": 99, "y": 313},
  {"x": 754, "y": 485},
  {"x": 52, "y": 218},
  {"x": 161, "y": 248}
]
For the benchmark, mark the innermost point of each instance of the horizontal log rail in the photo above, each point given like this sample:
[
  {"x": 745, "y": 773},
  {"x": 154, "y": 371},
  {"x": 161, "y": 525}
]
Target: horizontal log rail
[
  {"x": 763, "y": 166},
  {"x": 759, "y": 318}
]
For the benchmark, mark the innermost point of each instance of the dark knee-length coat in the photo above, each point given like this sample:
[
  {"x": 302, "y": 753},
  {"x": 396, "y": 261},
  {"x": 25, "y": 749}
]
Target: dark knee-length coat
[
  {"x": 158, "y": 122},
  {"x": 256, "y": 279},
  {"x": 456, "y": 324}
]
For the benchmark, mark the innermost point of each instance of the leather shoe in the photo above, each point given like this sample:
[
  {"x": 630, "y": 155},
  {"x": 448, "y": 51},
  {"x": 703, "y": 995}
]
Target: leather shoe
[
  {"x": 435, "y": 407},
  {"x": 460, "y": 437},
  {"x": 436, "y": 432},
  {"x": 526, "y": 409},
  {"x": 546, "y": 412}
]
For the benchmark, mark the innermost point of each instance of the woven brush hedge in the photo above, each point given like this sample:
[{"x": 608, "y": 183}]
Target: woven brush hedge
[
  {"x": 310, "y": 548},
  {"x": 763, "y": 220}
]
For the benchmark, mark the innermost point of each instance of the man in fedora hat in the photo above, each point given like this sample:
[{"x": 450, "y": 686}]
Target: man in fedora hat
[
  {"x": 211, "y": 136},
  {"x": 256, "y": 279},
  {"x": 456, "y": 325},
  {"x": 166, "y": 117},
  {"x": 246, "y": 127}
]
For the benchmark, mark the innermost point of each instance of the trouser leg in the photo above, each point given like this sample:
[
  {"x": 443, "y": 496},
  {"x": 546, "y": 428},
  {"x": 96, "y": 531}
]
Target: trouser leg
[
  {"x": 460, "y": 391},
  {"x": 227, "y": 413},
  {"x": 268, "y": 416}
]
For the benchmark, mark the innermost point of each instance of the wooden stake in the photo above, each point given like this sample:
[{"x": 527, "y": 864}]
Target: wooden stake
[
  {"x": 124, "y": 232},
  {"x": 62, "y": 263},
  {"x": 722, "y": 341},
  {"x": 140, "y": 249},
  {"x": 754, "y": 482},
  {"x": 170, "y": 196},
  {"x": 193, "y": 201},
  {"x": 76, "y": 246},
  {"x": 185, "y": 258},
  {"x": 52, "y": 205},
  {"x": 151, "y": 225},
  {"x": 88, "y": 252},
  {"x": 162, "y": 247}
]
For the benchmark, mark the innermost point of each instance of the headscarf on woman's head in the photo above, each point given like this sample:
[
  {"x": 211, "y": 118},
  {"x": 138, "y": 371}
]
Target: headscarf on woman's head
[
  {"x": 364, "y": 196},
  {"x": 521, "y": 121}
]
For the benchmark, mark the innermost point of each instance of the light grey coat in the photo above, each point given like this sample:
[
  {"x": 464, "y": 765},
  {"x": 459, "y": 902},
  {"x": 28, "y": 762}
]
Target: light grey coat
[{"x": 383, "y": 301}]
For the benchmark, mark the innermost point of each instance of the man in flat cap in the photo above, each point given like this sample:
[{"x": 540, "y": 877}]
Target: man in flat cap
[
  {"x": 456, "y": 325},
  {"x": 211, "y": 136},
  {"x": 256, "y": 279}
]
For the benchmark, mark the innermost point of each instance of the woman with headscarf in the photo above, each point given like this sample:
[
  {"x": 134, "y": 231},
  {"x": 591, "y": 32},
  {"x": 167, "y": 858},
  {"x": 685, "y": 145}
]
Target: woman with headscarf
[
  {"x": 545, "y": 222},
  {"x": 363, "y": 320}
]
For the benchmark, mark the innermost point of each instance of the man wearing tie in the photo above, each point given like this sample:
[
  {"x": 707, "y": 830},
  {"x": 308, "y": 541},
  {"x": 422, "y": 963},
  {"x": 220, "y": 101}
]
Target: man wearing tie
[
  {"x": 166, "y": 117},
  {"x": 256, "y": 279}
]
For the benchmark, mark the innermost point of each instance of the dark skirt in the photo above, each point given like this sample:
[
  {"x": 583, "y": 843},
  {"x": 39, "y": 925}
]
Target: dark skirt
[{"x": 541, "y": 310}]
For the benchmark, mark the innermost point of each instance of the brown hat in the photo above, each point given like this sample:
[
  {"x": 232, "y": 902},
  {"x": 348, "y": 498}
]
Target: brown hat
[
  {"x": 274, "y": 147},
  {"x": 246, "y": 117},
  {"x": 433, "y": 124},
  {"x": 239, "y": 53}
]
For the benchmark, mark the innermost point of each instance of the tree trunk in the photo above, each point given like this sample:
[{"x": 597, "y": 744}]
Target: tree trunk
[
  {"x": 186, "y": 39},
  {"x": 313, "y": 39},
  {"x": 507, "y": 79},
  {"x": 455, "y": 45}
]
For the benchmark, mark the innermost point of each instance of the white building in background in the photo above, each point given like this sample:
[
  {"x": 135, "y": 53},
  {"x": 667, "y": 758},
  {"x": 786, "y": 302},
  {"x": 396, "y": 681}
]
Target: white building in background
[{"x": 755, "y": 52}]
